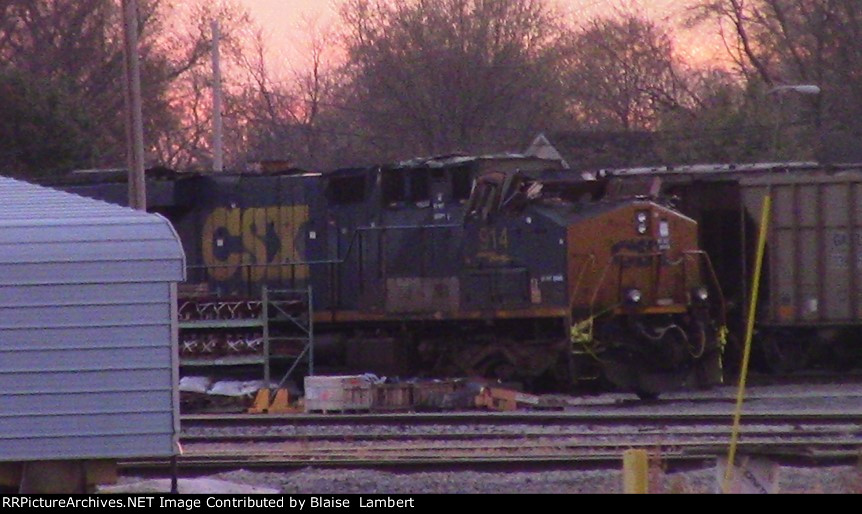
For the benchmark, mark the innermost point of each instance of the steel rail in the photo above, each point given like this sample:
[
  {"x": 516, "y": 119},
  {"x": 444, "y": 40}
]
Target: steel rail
[
  {"x": 356, "y": 437},
  {"x": 586, "y": 437},
  {"x": 524, "y": 417},
  {"x": 559, "y": 445},
  {"x": 544, "y": 455}
]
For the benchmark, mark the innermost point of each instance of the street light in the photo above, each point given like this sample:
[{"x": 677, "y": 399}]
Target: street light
[{"x": 802, "y": 89}]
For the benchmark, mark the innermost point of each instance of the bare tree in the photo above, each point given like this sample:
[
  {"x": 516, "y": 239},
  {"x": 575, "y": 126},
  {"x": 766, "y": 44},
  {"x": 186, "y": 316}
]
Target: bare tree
[
  {"x": 286, "y": 118},
  {"x": 183, "y": 139},
  {"x": 726, "y": 120},
  {"x": 623, "y": 74},
  {"x": 74, "y": 48},
  {"x": 315, "y": 87},
  {"x": 441, "y": 76},
  {"x": 801, "y": 41}
]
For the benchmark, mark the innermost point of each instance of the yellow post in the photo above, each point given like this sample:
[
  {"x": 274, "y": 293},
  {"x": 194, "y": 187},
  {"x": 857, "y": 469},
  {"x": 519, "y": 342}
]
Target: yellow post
[
  {"x": 635, "y": 472},
  {"x": 749, "y": 332},
  {"x": 265, "y": 402}
]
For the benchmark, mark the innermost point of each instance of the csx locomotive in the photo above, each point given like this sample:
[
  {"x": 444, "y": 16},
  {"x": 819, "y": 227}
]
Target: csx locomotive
[{"x": 500, "y": 266}]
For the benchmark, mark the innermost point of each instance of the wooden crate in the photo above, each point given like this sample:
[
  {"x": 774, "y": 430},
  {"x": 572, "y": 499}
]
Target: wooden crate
[
  {"x": 434, "y": 395},
  {"x": 337, "y": 393},
  {"x": 392, "y": 397}
]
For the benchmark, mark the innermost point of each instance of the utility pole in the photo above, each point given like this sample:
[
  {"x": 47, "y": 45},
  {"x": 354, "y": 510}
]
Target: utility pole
[
  {"x": 218, "y": 144},
  {"x": 134, "y": 116}
]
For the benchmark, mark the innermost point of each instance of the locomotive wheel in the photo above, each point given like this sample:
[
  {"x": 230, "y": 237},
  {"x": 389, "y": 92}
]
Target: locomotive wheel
[{"x": 495, "y": 366}]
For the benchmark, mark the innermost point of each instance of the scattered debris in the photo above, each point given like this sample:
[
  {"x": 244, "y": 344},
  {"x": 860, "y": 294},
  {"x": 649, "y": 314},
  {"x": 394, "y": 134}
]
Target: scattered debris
[
  {"x": 369, "y": 393},
  {"x": 500, "y": 399},
  {"x": 393, "y": 397},
  {"x": 198, "y": 394},
  {"x": 354, "y": 393},
  {"x": 195, "y": 384}
]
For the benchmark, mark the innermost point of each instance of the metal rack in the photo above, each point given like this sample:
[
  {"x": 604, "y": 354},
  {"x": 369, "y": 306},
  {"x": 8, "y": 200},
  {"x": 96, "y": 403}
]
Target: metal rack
[
  {"x": 288, "y": 324},
  {"x": 283, "y": 317},
  {"x": 212, "y": 320}
]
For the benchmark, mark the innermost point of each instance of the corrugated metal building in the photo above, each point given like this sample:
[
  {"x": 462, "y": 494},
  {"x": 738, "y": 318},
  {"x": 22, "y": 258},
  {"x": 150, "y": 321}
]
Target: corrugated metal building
[{"x": 88, "y": 357}]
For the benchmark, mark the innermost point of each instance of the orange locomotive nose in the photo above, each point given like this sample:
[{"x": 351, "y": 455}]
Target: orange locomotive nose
[{"x": 639, "y": 277}]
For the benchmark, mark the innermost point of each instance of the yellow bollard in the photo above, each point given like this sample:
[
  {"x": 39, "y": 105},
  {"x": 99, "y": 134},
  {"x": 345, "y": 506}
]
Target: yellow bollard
[
  {"x": 635, "y": 472},
  {"x": 749, "y": 332},
  {"x": 265, "y": 402}
]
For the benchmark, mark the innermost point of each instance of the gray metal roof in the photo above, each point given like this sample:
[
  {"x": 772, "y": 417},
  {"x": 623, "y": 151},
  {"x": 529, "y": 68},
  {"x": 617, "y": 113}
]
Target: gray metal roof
[
  {"x": 22, "y": 201},
  {"x": 39, "y": 225}
]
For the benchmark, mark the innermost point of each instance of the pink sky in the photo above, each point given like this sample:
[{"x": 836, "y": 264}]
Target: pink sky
[
  {"x": 282, "y": 21},
  {"x": 282, "y": 16},
  {"x": 284, "y": 26}
]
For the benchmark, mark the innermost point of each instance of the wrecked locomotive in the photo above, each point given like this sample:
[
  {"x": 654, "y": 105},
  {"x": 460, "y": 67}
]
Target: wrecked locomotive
[{"x": 490, "y": 266}]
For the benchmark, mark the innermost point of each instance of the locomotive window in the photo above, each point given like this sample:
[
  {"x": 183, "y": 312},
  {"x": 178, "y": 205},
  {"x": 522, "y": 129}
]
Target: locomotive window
[
  {"x": 484, "y": 201},
  {"x": 462, "y": 183},
  {"x": 393, "y": 187},
  {"x": 420, "y": 186},
  {"x": 347, "y": 190}
]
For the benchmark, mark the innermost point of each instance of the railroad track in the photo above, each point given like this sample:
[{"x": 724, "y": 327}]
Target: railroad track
[
  {"x": 525, "y": 438},
  {"x": 643, "y": 417},
  {"x": 806, "y": 377}
]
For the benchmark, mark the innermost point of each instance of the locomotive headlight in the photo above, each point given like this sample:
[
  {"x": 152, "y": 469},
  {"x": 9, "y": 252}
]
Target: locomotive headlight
[
  {"x": 633, "y": 296},
  {"x": 700, "y": 294},
  {"x": 641, "y": 219}
]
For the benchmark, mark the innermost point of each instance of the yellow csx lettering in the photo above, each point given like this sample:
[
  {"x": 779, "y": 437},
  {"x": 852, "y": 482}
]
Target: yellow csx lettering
[{"x": 232, "y": 238}]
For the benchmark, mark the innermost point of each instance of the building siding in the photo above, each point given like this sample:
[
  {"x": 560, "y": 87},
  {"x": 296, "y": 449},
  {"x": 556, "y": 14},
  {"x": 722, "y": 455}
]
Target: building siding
[{"x": 86, "y": 316}]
